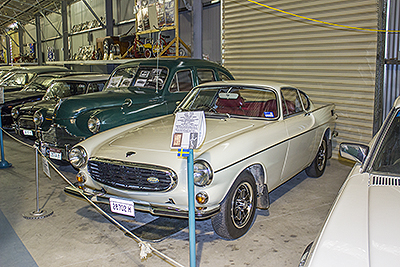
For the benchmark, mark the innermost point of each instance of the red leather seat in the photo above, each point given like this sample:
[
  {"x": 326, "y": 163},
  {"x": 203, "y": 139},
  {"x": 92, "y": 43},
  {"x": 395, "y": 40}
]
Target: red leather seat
[{"x": 231, "y": 106}]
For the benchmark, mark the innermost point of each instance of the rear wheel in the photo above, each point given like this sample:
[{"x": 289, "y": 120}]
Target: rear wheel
[
  {"x": 237, "y": 209},
  {"x": 317, "y": 167}
]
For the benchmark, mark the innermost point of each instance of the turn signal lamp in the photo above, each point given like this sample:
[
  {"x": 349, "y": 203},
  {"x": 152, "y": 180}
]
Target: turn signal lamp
[{"x": 202, "y": 198}]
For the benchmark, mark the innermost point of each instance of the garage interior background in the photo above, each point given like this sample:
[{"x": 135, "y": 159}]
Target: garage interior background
[{"x": 354, "y": 65}]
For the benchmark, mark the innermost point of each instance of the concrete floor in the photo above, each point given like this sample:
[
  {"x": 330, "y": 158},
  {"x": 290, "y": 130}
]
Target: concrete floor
[{"x": 77, "y": 235}]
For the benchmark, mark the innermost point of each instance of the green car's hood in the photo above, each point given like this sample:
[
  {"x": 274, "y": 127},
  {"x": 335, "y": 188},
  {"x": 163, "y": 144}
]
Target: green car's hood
[
  {"x": 32, "y": 107},
  {"x": 73, "y": 106}
]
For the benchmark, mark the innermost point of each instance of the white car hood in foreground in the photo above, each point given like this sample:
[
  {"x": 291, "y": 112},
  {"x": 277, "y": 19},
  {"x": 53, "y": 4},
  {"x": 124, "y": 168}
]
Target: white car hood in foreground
[
  {"x": 151, "y": 142},
  {"x": 363, "y": 229}
]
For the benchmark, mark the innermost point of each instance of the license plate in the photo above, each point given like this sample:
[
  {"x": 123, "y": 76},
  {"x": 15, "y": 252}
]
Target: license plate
[
  {"x": 121, "y": 206},
  {"x": 55, "y": 154},
  {"x": 28, "y": 132}
]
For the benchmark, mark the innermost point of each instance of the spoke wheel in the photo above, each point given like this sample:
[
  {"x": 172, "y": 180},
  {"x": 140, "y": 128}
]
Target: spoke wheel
[
  {"x": 237, "y": 209},
  {"x": 317, "y": 167},
  {"x": 242, "y": 203}
]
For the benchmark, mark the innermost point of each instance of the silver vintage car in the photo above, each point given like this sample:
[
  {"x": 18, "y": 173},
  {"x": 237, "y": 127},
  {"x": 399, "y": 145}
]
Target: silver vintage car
[{"x": 258, "y": 135}]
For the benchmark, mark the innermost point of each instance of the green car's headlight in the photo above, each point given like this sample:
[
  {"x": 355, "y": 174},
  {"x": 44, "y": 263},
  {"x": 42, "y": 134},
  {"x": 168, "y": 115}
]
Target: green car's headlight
[
  {"x": 15, "y": 113},
  {"x": 94, "y": 124},
  {"x": 202, "y": 173},
  {"x": 77, "y": 157},
  {"x": 38, "y": 118}
]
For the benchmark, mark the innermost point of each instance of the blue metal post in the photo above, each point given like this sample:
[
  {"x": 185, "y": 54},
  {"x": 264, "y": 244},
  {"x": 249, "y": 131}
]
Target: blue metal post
[
  {"x": 192, "y": 221},
  {"x": 3, "y": 163}
]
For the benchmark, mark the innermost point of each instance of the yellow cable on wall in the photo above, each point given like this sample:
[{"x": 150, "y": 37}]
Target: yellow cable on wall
[{"x": 320, "y": 21}]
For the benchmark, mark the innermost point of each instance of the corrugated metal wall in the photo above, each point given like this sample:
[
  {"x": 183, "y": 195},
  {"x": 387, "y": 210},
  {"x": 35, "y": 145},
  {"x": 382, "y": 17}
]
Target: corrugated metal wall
[{"x": 330, "y": 63}]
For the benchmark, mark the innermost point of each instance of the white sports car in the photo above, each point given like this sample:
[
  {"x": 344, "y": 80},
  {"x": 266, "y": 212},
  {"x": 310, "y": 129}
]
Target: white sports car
[
  {"x": 362, "y": 227},
  {"x": 257, "y": 137}
]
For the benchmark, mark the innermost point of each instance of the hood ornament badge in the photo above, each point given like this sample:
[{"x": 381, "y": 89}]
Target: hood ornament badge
[{"x": 130, "y": 153}]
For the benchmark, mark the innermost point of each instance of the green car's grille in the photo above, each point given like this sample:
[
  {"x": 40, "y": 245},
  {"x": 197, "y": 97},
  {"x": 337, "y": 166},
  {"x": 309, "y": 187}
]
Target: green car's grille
[
  {"x": 131, "y": 176},
  {"x": 26, "y": 122}
]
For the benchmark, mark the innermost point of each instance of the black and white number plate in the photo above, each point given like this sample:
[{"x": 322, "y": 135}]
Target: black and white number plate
[{"x": 122, "y": 206}]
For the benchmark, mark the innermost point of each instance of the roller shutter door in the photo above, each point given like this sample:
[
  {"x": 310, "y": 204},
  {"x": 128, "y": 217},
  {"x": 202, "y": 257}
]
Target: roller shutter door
[{"x": 332, "y": 64}]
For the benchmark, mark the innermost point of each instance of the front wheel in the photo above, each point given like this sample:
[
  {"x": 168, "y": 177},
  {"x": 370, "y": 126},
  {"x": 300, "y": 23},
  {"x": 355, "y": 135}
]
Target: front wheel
[
  {"x": 317, "y": 167},
  {"x": 237, "y": 209}
]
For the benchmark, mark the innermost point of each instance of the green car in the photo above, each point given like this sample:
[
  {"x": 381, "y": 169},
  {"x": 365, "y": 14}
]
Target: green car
[{"x": 137, "y": 90}]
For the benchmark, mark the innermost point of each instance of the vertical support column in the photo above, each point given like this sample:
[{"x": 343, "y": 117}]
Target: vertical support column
[
  {"x": 8, "y": 47},
  {"x": 64, "y": 19},
  {"x": 197, "y": 22},
  {"x": 191, "y": 205},
  {"x": 176, "y": 18},
  {"x": 109, "y": 18},
  {"x": 38, "y": 41},
  {"x": 21, "y": 40},
  {"x": 380, "y": 68}
]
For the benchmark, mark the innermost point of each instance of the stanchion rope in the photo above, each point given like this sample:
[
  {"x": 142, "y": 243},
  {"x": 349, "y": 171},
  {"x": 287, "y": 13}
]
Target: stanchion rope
[{"x": 145, "y": 247}]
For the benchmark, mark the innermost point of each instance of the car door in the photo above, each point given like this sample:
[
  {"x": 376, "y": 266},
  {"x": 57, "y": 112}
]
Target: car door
[{"x": 299, "y": 124}]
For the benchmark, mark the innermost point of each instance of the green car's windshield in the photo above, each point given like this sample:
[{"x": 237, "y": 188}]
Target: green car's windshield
[
  {"x": 64, "y": 89},
  {"x": 387, "y": 159},
  {"x": 233, "y": 100},
  {"x": 39, "y": 84},
  {"x": 138, "y": 78}
]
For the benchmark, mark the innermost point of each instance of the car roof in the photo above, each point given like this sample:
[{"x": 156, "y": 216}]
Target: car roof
[
  {"x": 85, "y": 78},
  {"x": 61, "y": 74},
  {"x": 172, "y": 62},
  {"x": 8, "y": 67},
  {"x": 266, "y": 84},
  {"x": 41, "y": 69},
  {"x": 397, "y": 102}
]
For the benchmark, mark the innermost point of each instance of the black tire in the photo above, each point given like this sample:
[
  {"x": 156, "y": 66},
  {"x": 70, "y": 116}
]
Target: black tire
[
  {"x": 317, "y": 167},
  {"x": 237, "y": 209}
]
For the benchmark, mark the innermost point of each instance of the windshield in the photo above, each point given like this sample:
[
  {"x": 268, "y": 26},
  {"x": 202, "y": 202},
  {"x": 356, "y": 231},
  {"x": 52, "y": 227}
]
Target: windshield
[
  {"x": 387, "y": 158},
  {"x": 139, "y": 77},
  {"x": 39, "y": 84},
  {"x": 232, "y": 100},
  {"x": 17, "y": 79},
  {"x": 64, "y": 89}
]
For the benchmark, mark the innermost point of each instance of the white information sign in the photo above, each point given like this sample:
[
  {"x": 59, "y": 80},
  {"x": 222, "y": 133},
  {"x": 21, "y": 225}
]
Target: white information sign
[
  {"x": 114, "y": 81},
  {"x": 189, "y": 130},
  {"x": 1, "y": 95},
  {"x": 46, "y": 168}
]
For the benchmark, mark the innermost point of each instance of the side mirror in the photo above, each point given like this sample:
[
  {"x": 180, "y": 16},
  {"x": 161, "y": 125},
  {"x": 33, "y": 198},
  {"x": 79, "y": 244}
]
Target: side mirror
[{"x": 354, "y": 152}]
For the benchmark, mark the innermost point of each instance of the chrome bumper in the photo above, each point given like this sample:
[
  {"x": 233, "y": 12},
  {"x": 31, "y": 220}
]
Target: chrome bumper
[{"x": 100, "y": 197}]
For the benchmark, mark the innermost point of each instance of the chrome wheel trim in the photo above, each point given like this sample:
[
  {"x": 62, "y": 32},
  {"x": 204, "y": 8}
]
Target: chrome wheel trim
[
  {"x": 242, "y": 205},
  {"x": 321, "y": 156}
]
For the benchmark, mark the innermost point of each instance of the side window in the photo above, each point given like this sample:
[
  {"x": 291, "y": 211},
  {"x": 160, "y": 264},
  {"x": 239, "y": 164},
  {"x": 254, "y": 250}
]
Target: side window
[
  {"x": 223, "y": 76},
  {"x": 205, "y": 75},
  {"x": 182, "y": 81},
  {"x": 77, "y": 88},
  {"x": 305, "y": 100},
  {"x": 95, "y": 87},
  {"x": 291, "y": 102}
]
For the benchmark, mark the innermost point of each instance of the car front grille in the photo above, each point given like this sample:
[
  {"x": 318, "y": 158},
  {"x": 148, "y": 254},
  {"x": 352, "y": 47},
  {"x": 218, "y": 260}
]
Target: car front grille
[
  {"x": 131, "y": 176},
  {"x": 26, "y": 122}
]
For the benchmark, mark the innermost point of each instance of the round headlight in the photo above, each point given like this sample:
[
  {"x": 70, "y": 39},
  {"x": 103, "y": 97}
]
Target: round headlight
[
  {"x": 94, "y": 124},
  {"x": 15, "y": 113},
  {"x": 38, "y": 118},
  {"x": 202, "y": 173},
  {"x": 77, "y": 157}
]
